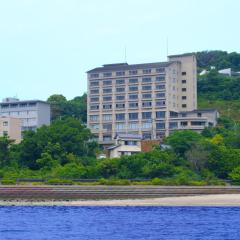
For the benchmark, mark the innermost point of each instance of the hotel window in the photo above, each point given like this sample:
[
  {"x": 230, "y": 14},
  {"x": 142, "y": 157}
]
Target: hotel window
[
  {"x": 94, "y": 99},
  {"x": 146, "y": 71},
  {"x": 160, "y": 114},
  {"x": 173, "y": 125},
  {"x": 120, "y": 116},
  {"x": 120, "y": 97},
  {"x": 107, "y": 98},
  {"x": 107, "y": 90},
  {"x": 94, "y": 126},
  {"x": 107, "y": 126},
  {"x": 184, "y": 81},
  {"x": 146, "y": 115},
  {"x": 160, "y": 87},
  {"x": 133, "y": 116},
  {"x": 107, "y": 106},
  {"x": 94, "y": 107},
  {"x": 5, "y": 123},
  {"x": 146, "y": 104},
  {"x": 184, "y": 105},
  {"x": 120, "y": 81},
  {"x": 107, "y": 117},
  {"x": 160, "y": 125},
  {"x": 133, "y": 105},
  {"x": 184, "y": 73},
  {"x": 146, "y": 87},
  {"x": 120, "y": 105},
  {"x": 21, "y": 105},
  {"x": 131, "y": 97},
  {"x": 94, "y": 91},
  {"x": 33, "y": 104},
  {"x": 133, "y": 80},
  {"x": 120, "y": 89},
  {"x": 160, "y": 103},
  {"x": 160, "y": 95},
  {"x": 160, "y": 70},
  {"x": 94, "y": 117},
  {"x": 199, "y": 114},
  {"x": 160, "y": 79},
  {"x": 5, "y": 106},
  {"x": 133, "y": 125},
  {"x": 184, "y": 115},
  {"x": 121, "y": 73},
  {"x": 173, "y": 114},
  {"x": 107, "y": 82},
  {"x": 146, "y": 96},
  {"x": 13, "y": 105},
  {"x": 94, "y": 75},
  {"x": 107, "y": 74},
  {"x": 133, "y": 88},
  {"x": 184, "y": 97},
  {"x": 146, "y": 125},
  {"x": 184, "y": 89},
  {"x": 107, "y": 138},
  {"x": 184, "y": 124},
  {"x": 147, "y": 135},
  {"x": 120, "y": 126},
  {"x": 94, "y": 84},
  {"x": 146, "y": 80},
  {"x": 133, "y": 72}
]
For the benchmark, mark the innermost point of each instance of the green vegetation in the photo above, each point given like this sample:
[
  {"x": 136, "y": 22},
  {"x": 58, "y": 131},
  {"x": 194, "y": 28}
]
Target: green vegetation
[{"x": 64, "y": 152}]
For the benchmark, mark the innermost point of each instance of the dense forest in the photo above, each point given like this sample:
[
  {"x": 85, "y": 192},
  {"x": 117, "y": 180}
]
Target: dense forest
[{"x": 66, "y": 150}]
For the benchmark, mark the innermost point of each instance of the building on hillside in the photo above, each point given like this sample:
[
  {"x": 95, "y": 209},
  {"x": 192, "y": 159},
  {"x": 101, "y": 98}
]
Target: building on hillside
[
  {"x": 150, "y": 100},
  {"x": 33, "y": 113},
  {"x": 11, "y": 127},
  {"x": 125, "y": 144}
]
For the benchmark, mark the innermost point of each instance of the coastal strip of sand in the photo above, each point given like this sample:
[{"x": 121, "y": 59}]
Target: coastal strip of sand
[{"x": 201, "y": 200}]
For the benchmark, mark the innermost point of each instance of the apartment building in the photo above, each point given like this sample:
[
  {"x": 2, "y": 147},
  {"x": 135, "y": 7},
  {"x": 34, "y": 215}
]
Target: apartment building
[
  {"x": 11, "y": 127},
  {"x": 149, "y": 99},
  {"x": 33, "y": 113}
]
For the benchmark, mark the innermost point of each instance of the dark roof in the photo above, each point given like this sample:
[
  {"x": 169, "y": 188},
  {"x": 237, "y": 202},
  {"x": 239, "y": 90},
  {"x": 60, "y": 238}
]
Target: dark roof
[
  {"x": 126, "y": 66},
  {"x": 182, "y": 55}
]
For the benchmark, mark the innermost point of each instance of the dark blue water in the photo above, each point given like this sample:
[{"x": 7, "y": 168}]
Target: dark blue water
[{"x": 120, "y": 223}]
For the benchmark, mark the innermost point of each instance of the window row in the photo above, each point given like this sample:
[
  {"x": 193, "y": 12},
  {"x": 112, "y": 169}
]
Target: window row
[
  {"x": 131, "y": 80},
  {"x": 161, "y": 103},
  {"x": 130, "y": 72}
]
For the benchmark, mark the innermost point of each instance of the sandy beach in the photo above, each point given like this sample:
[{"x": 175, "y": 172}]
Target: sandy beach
[{"x": 203, "y": 200}]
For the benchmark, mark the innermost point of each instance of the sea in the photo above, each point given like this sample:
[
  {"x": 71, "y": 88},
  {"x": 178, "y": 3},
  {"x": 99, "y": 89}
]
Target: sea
[{"x": 119, "y": 223}]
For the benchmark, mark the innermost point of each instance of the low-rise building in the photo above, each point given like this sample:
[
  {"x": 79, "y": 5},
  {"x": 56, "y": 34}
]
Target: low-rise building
[
  {"x": 33, "y": 113},
  {"x": 11, "y": 127},
  {"x": 125, "y": 144}
]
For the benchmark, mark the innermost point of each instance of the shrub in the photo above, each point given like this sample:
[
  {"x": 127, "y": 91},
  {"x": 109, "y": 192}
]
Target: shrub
[
  {"x": 104, "y": 181},
  {"x": 8, "y": 182},
  {"x": 158, "y": 181},
  {"x": 57, "y": 181}
]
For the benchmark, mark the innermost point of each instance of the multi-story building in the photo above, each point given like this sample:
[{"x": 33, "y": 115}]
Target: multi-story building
[
  {"x": 11, "y": 127},
  {"x": 33, "y": 113},
  {"x": 150, "y": 99}
]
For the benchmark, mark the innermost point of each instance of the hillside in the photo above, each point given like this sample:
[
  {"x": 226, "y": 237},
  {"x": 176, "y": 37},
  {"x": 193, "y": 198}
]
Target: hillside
[{"x": 219, "y": 91}]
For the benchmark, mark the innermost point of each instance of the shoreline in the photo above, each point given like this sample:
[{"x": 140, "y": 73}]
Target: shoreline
[{"x": 197, "y": 200}]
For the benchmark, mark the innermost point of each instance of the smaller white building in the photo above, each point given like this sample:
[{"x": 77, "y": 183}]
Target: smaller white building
[{"x": 125, "y": 144}]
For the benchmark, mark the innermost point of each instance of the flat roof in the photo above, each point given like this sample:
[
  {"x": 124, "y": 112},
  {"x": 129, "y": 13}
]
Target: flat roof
[
  {"x": 23, "y": 101},
  {"x": 126, "y": 66},
  {"x": 182, "y": 55}
]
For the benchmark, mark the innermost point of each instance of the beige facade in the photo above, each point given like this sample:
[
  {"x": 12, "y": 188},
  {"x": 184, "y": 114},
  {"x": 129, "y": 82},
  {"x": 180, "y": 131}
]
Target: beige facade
[
  {"x": 145, "y": 99},
  {"x": 11, "y": 127}
]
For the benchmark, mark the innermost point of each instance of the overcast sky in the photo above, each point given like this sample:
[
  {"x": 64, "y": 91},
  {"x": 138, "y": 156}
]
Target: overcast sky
[{"x": 46, "y": 46}]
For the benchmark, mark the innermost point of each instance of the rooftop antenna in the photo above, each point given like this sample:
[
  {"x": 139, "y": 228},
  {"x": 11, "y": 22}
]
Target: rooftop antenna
[
  {"x": 167, "y": 46},
  {"x": 125, "y": 54}
]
